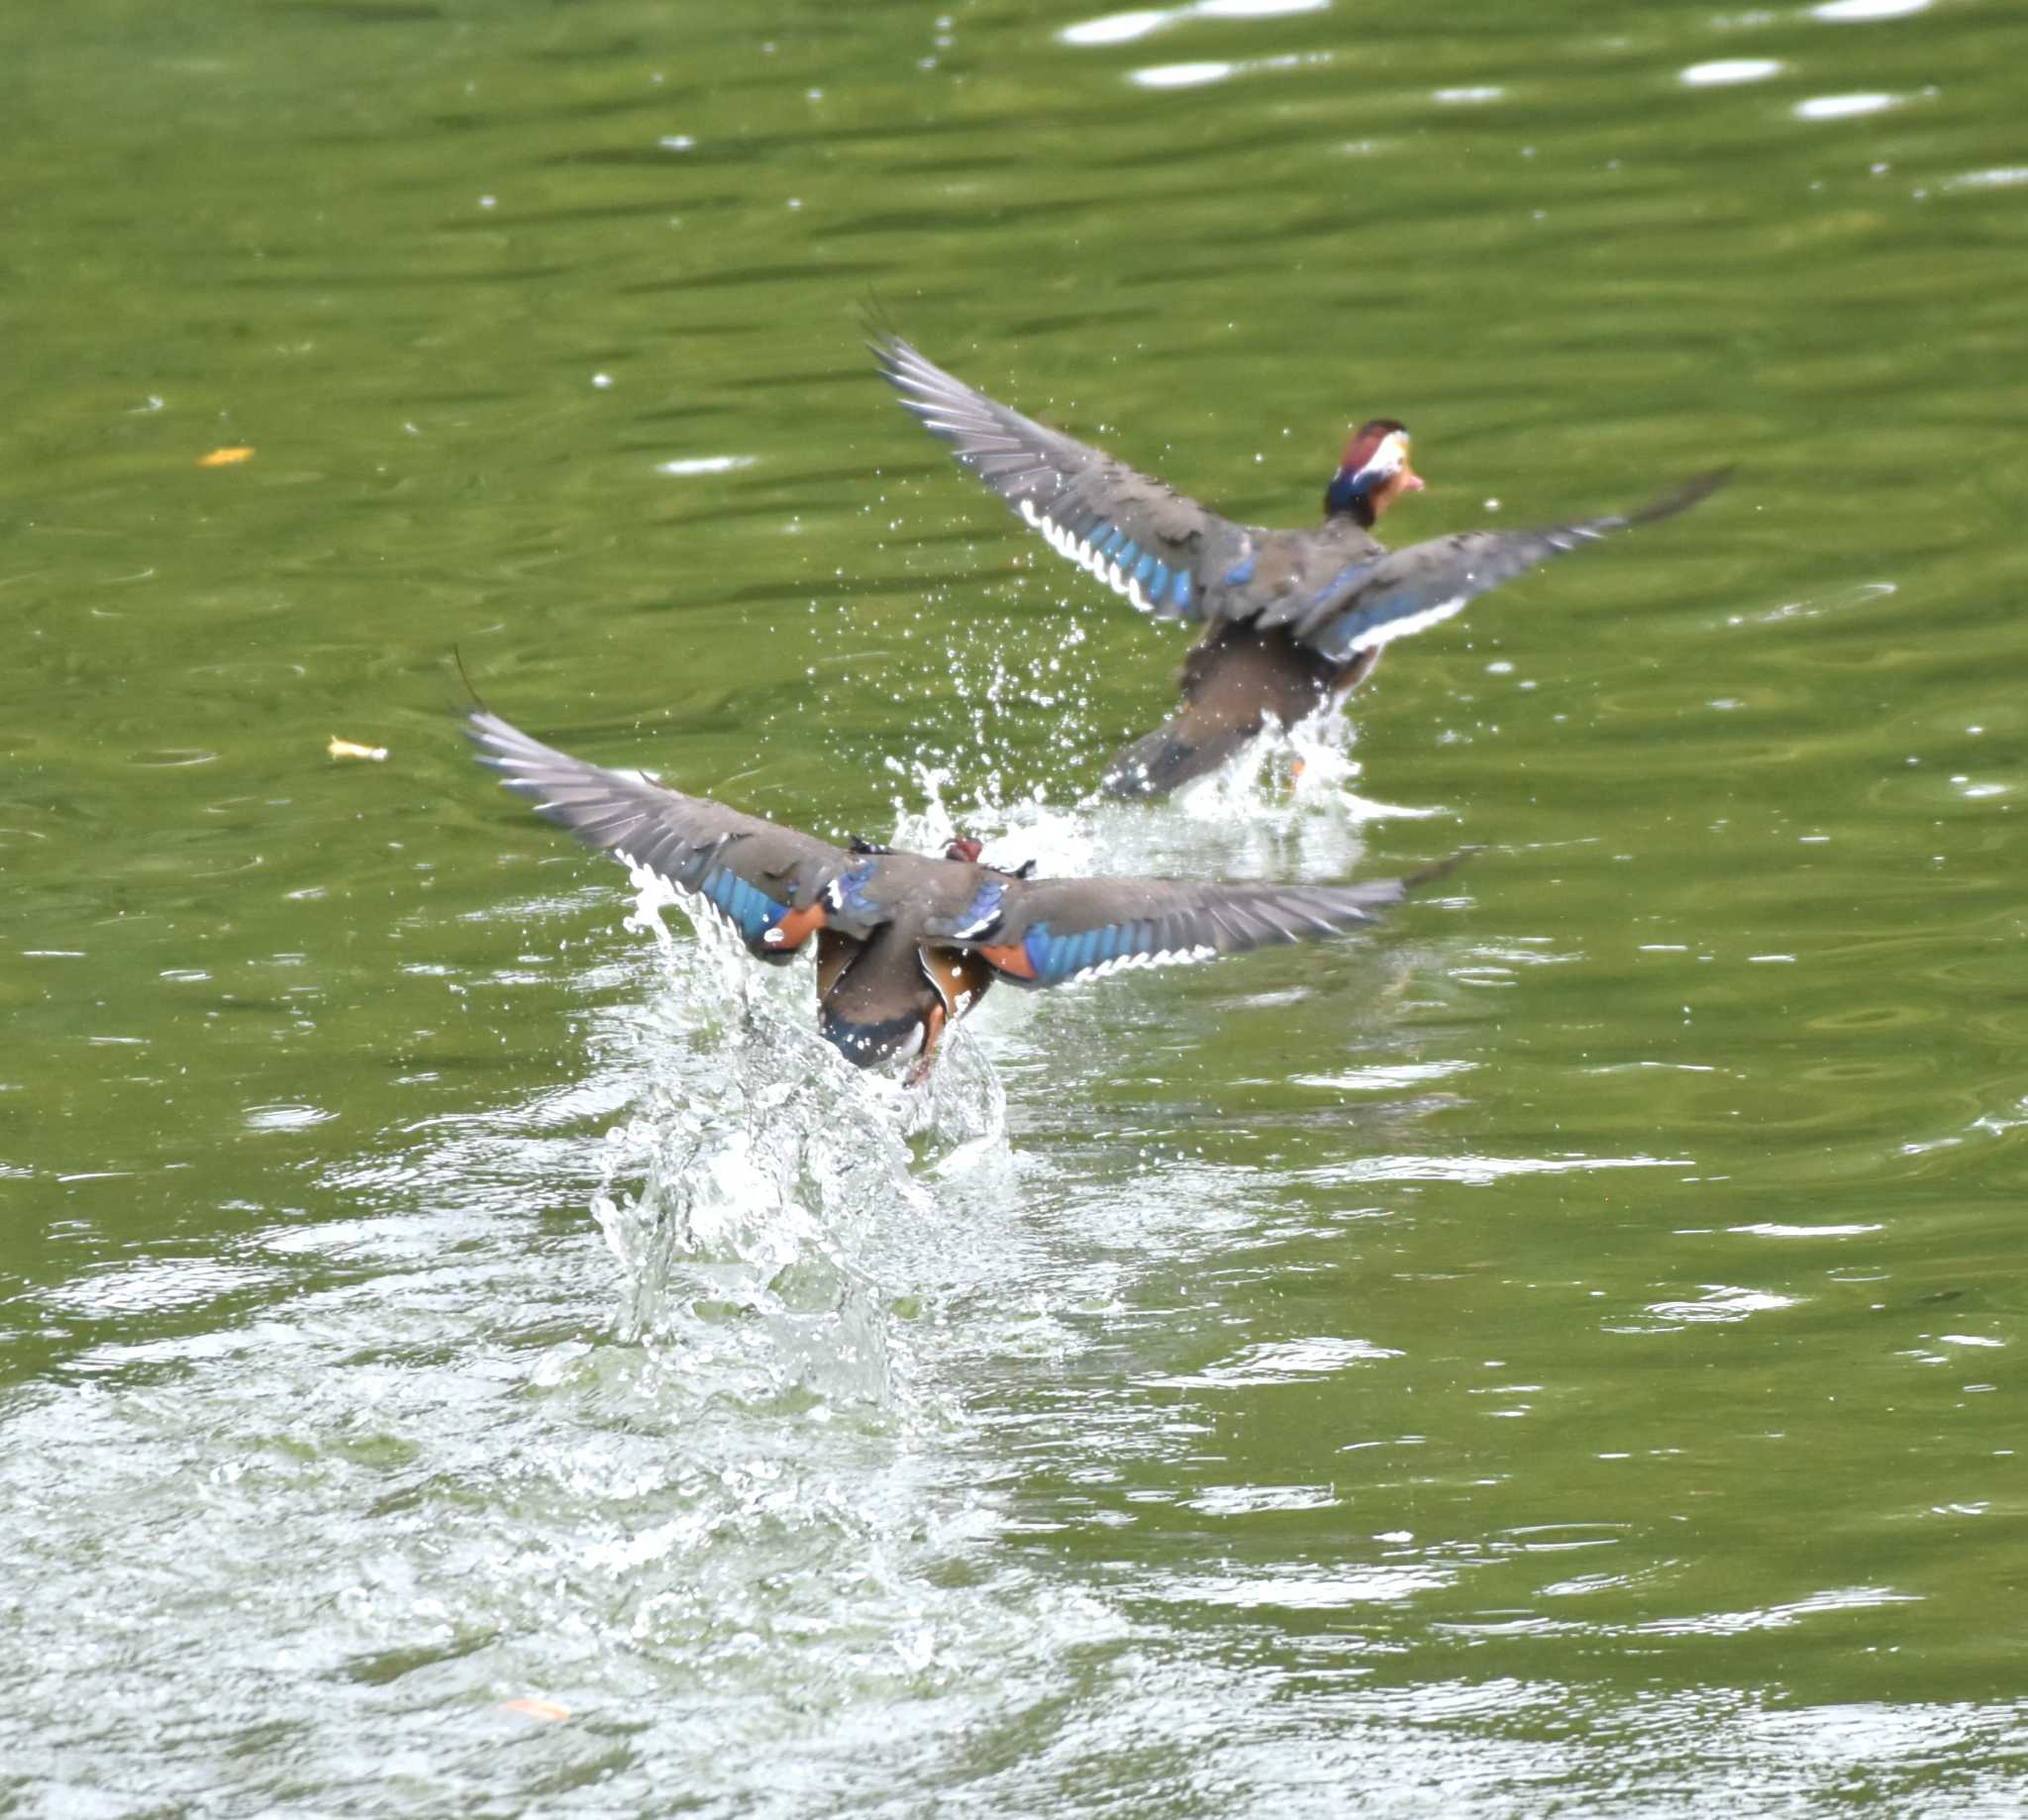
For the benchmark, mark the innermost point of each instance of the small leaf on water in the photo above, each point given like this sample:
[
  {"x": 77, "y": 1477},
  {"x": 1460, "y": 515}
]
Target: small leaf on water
[
  {"x": 546, "y": 1710},
  {"x": 351, "y": 749},
  {"x": 229, "y": 456}
]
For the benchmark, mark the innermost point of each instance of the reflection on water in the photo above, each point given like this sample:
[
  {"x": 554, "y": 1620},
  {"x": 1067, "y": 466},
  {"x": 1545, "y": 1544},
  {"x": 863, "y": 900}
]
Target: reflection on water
[
  {"x": 1848, "y": 11},
  {"x": 1722, "y": 71},
  {"x": 1844, "y": 107},
  {"x": 1125, "y": 28}
]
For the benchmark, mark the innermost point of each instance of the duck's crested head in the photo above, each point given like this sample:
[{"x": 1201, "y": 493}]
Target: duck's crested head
[
  {"x": 964, "y": 847},
  {"x": 1374, "y": 473}
]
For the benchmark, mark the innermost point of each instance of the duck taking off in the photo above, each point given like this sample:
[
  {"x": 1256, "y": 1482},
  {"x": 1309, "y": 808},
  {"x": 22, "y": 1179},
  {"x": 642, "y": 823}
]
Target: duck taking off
[
  {"x": 907, "y": 944},
  {"x": 1294, "y": 620}
]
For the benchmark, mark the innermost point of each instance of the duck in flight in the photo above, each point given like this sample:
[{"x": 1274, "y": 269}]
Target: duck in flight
[
  {"x": 1294, "y": 620},
  {"x": 906, "y": 944}
]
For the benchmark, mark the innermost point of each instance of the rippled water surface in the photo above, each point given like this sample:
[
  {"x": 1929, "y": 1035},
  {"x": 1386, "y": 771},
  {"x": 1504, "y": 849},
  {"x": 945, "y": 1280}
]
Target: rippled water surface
[{"x": 462, "y": 1352}]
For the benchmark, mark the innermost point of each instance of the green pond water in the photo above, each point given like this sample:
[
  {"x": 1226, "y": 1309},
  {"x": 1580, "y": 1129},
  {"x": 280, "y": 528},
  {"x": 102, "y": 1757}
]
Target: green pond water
[{"x": 1559, "y": 1355}]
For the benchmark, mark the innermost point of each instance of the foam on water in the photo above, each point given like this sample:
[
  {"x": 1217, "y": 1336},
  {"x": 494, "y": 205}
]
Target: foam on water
[{"x": 761, "y": 1195}]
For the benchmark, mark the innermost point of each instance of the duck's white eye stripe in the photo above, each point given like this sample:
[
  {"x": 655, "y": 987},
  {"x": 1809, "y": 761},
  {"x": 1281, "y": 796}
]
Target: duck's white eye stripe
[{"x": 1392, "y": 454}]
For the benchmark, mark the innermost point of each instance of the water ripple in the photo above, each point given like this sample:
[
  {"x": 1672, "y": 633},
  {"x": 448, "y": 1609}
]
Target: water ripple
[
  {"x": 1844, "y": 107},
  {"x": 1725, "y": 71}
]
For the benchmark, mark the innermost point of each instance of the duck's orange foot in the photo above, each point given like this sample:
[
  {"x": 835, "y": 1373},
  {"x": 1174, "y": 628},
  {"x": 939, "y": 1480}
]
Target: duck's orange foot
[
  {"x": 1295, "y": 773},
  {"x": 933, "y": 1028}
]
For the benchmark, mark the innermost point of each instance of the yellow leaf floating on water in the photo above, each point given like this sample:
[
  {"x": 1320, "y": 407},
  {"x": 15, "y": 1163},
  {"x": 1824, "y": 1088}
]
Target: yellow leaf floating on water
[
  {"x": 351, "y": 749},
  {"x": 546, "y": 1710},
  {"x": 229, "y": 456}
]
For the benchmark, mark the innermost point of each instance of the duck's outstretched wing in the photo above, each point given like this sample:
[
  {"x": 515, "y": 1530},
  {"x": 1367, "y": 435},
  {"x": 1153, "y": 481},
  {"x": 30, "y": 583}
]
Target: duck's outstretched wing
[
  {"x": 1368, "y": 603},
  {"x": 1045, "y": 932},
  {"x": 1158, "y": 547},
  {"x": 771, "y": 884}
]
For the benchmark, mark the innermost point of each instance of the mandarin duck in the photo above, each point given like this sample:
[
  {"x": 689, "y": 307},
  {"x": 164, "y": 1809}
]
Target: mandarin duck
[
  {"x": 1294, "y": 620},
  {"x": 906, "y": 944}
]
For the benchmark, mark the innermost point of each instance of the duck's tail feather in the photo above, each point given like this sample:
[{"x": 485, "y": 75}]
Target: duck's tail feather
[{"x": 1168, "y": 758}]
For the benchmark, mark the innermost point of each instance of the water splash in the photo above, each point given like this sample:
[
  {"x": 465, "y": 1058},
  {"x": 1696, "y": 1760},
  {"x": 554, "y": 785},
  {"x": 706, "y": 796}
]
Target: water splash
[
  {"x": 1282, "y": 807},
  {"x": 761, "y": 1195},
  {"x": 758, "y": 1196}
]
